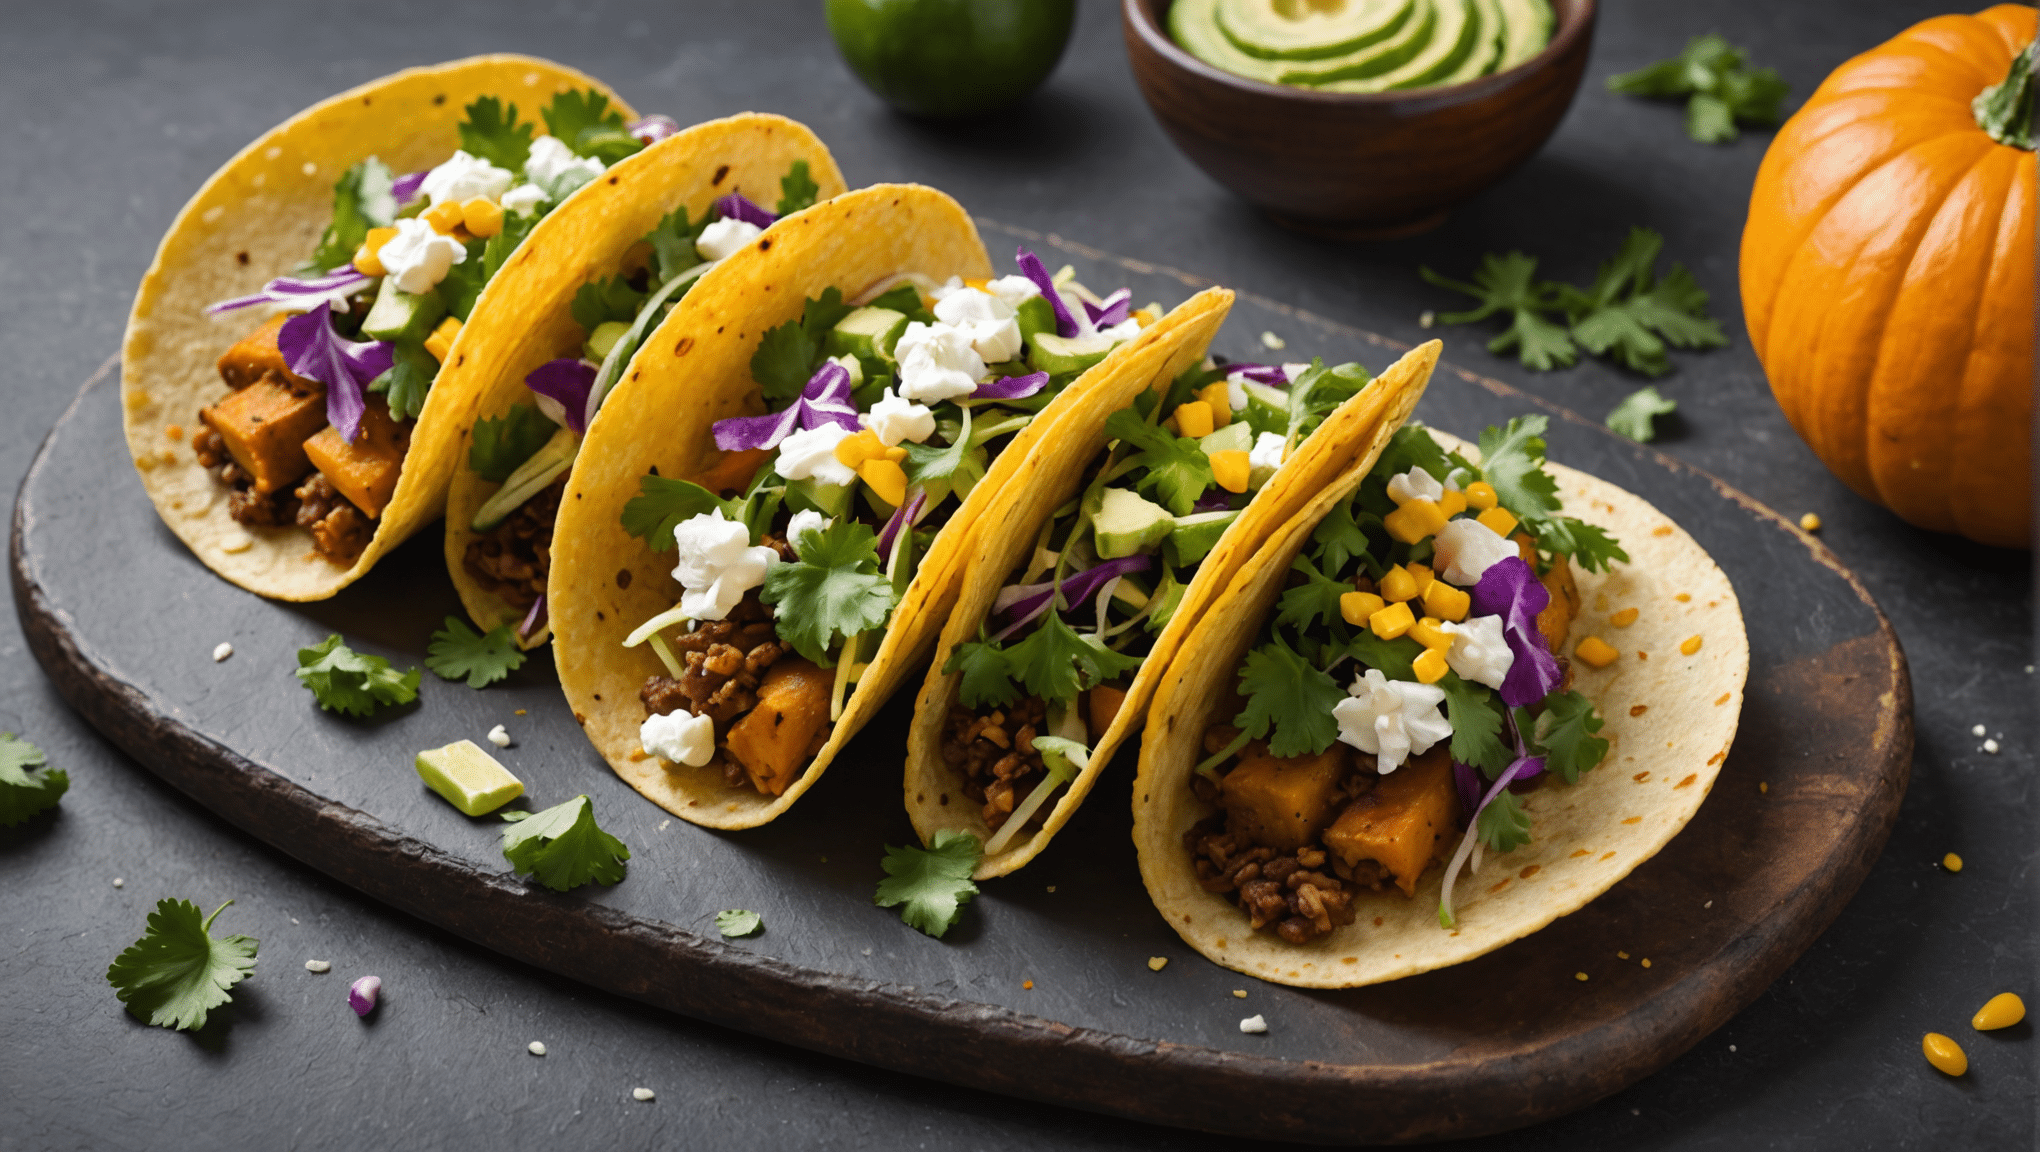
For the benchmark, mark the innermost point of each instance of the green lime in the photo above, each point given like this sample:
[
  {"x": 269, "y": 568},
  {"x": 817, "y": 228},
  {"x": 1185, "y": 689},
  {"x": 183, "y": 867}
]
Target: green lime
[{"x": 951, "y": 58}]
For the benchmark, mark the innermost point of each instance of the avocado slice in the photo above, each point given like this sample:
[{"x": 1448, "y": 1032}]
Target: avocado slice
[
  {"x": 1034, "y": 316},
  {"x": 1411, "y": 40},
  {"x": 1529, "y": 31},
  {"x": 1487, "y": 46},
  {"x": 1285, "y": 30},
  {"x": 1453, "y": 38},
  {"x": 1192, "y": 537},
  {"x": 1234, "y": 437},
  {"x": 1064, "y": 355},
  {"x": 1127, "y": 523},
  {"x": 602, "y": 339},
  {"x": 868, "y": 333},
  {"x": 398, "y": 315}
]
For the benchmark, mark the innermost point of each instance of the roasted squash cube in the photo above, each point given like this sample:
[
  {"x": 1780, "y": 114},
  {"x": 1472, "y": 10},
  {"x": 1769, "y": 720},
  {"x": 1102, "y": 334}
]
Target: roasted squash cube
[
  {"x": 1283, "y": 802},
  {"x": 1104, "y": 701},
  {"x": 1404, "y": 822},
  {"x": 365, "y": 471},
  {"x": 256, "y": 354},
  {"x": 264, "y": 427},
  {"x": 771, "y": 741},
  {"x": 1556, "y": 619}
]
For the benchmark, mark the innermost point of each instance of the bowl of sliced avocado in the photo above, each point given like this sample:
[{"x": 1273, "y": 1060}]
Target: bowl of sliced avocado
[{"x": 1358, "y": 118}]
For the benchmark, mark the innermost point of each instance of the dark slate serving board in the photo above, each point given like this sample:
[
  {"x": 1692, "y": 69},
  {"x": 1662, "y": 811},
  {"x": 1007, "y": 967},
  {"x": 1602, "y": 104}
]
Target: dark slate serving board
[{"x": 1503, "y": 1041}]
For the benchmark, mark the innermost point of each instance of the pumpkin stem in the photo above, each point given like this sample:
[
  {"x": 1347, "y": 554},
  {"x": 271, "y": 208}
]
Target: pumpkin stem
[{"x": 2005, "y": 111}]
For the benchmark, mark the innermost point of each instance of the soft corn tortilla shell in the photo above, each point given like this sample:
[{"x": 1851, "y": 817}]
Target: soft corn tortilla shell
[
  {"x": 605, "y": 583},
  {"x": 1352, "y": 435},
  {"x": 1660, "y": 764},
  {"x": 587, "y": 239},
  {"x": 259, "y": 215}
]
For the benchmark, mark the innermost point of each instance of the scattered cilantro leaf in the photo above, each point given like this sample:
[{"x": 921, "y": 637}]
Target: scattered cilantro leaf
[
  {"x": 1719, "y": 86},
  {"x": 457, "y": 652},
  {"x": 501, "y": 444},
  {"x": 1506, "y": 284},
  {"x": 738, "y": 922},
  {"x": 1633, "y": 416},
  {"x": 500, "y": 247},
  {"x": 834, "y": 589},
  {"x": 562, "y": 847},
  {"x": 958, "y": 467},
  {"x": 599, "y": 301},
  {"x": 178, "y": 972},
  {"x": 1055, "y": 661},
  {"x": 493, "y": 134},
  {"x": 1317, "y": 598},
  {"x": 930, "y": 885},
  {"x": 661, "y": 505},
  {"x": 797, "y": 190},
  {"x": 348, "y": 682},
  {"x": 1504, "y": 825},
  {"x": 361, "y": 200},
  {"x": 985, "y": 680},
  {"x": 673, "y": 245},
  {"x": 1476, "y": 726},
  {"x": 1289, "y": 697},
  {"x": 1564, "y": 735},
  {"x": 1174, "y": 469},
  {"x": 1627, "y": 314},
  {"x": 408, "y": 378},
  {"x": 27, "y": 785}
]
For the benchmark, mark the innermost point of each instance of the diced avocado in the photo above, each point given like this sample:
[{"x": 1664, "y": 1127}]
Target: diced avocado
[
  {"x": 867, "y": 332},
  {"x": 810, "y": 493},
  {"x": 1267, "y": 408},
  {"x": 602, "y": 339},
  {"x": 1192, "y": 537},
  {"x": 469, "y": 778},
  {"x": 1234, "y": 437},
  {"x": 854, "y": 367},
  {"x": 1035, "y": 316},
  {"x": 400, "y": 315},
  {"x": 1059, "y": 356},
  {"x": 1128, "y": 523}
]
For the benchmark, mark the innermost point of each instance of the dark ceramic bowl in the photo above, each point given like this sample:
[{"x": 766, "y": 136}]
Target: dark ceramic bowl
[{"x": 1356, "y": 164}]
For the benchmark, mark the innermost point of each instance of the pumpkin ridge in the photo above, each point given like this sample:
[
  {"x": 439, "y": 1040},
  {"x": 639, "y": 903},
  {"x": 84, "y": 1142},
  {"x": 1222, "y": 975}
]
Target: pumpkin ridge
[{"x": 1986, "y": 508}]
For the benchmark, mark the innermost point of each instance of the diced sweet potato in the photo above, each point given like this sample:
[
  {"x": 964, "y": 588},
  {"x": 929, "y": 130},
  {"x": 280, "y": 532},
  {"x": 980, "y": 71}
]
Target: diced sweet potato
[
  {"x": 256, "y": 354},
  {"x": 734, "y": 471},
  {"x": 1283, "y": 802},
  {"x": 264, "y": 427},
  {"x": 1104, "y": 702},
  {"x": 1407, "y": 820},
  {"x": 1556, "y": 619},
  {"x": 771, "y": 741},
  {"x": 365, "y": 471}
]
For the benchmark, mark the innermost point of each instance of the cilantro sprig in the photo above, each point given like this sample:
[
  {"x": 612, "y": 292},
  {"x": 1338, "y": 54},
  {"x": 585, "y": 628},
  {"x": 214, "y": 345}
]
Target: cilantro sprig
[
  {"x": 1633, "y": 417},
  {"x": 456, "y": 652},
  {"x": 586, "y": 123},
  {"x": 734, "y": 922},
  {"x": 350, "y": 683},
  {"x": 672, "y": 244},
  {"x": 562, "y": 847},
  {"x": 834, "y": 589},
  {"x": 1508, "y": 284},
  {"x": 492, "y": 133},
  {"x": 1563, "y": 734},
  {"x": 362, "y": 200},
  {"x": 178, "y": 972},
  {"x": 1174, "y": 470},
  {"x": 787, "y": 354},
  {"x": 1504, "y": 825},
  {"x": 1720, "y": 88},
  {"x": 598, "y": 301},
  {"x": 1289, "y": 701},
  {"x": 27, "y": 784},
  {"x": 501, "y": 444},
  {"x": 797, "y": 190},
  {"x": 1512, "y": 461},
  {"x": 930, "y": 885}
]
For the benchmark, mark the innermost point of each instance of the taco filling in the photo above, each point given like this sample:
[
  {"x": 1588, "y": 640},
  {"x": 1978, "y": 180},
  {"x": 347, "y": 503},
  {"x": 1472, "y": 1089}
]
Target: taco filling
[
  {"x": 1407, "y": 690},
  {"x": 1051, "y": 664},
  {"x": 882, "y": 413},
  {"x": 530, "y": 449},
  {"x": 325, "y": 393}
]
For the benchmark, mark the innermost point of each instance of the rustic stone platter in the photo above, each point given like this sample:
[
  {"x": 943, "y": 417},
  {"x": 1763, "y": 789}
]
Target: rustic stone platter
[{"x": 124, "y": 622}]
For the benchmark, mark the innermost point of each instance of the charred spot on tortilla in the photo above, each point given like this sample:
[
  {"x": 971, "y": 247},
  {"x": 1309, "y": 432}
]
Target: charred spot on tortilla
[
  {"x": 719, "y": 174},
  {"x": 241, "y": 257}
]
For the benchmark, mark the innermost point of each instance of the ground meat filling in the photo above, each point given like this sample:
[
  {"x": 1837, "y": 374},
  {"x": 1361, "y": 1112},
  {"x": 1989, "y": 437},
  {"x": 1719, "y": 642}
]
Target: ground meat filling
[
  {"x": 513, "y": 558},
  {"x": 278, "y": 509},
  {"x": 339, "y": 530},
  {"x": 1286, "y": 891},
  {"x": 995, "y": 755}
]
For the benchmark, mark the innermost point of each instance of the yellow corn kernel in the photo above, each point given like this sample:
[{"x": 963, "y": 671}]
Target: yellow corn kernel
[
  {"x": 853, "y": 450},
  {"x": 1481, "y": 494},
  {"x": 1392, "y": 621},
  {"x": 1430, "y": 667},
  {"x": 1427, "y": 633},
  {"x": 1952, "y": 862},
  {"x": 1219, "y": 397},
  {"x": 367, "y": 260},
  {"x": 1421, "y": 573},
  {"x": 1595, "y": 652},
  {"x": 1415, "y": 520},
  {"x": 481, "y": 216},
  {"x": 1194, "y": 418},
  {"x": 1356, "y": 607},
  {"x": 886, "y": 478},
  {"x": 1500, "y": 519},
  {"x": 896, "y": 454},
  {"x": 1146, "y": 316},
  {"x": 2004, "y": 1010},
  {"x": 441, "y": 340},
  {"x": 1624, "y": 618},
  {"x": 1810, "y": 522},
  {"x": 1689, "y": 645},
  {"x": 1398, "y": 584},
  {"x": 1231, "y": 469},
  {"x": 444, "y": 218},
  {"x": 1452, "y": 504},
  {"x": 1944, "y": 1054},
  {"x": 1446, "y": 602},
  {"x": 977, "y": 282}
]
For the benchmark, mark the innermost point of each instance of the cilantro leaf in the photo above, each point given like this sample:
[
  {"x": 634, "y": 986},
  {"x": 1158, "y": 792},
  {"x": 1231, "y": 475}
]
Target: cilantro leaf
[
  {"x": 599, "y": 301},
  {"x": 1175, "y": 470},
  {"x": 463, "y": 283},
  {"x": 1314, "y": 599},
  {"x": 562, "y": 847},
  {"x": 1395, "y": 658},
  {"x": 661, "y": 505},
  {"x": 1632, "y": 417},
  {"x": 834, "y": 589},
  {"x": 1589, "y": 545},
  {"x": 738, "y": 922},
  {"x": 931, "y": 885},
  {"x": 1624, "y": 313},
  {"x": 178, "y": 972},
  {"x": 500, "y": 247},
  {"x": 1512, "y": 461},
  {"x": 500, "y": 445},
  {"x": 585, "y": 123},
  {"x": 1676, "y": 309},
  {"x": 673, "y": 245},
  {"x": 1504, "y": 826},
  {"x": 1476, "y": 726},
  {"x": 956, "y": 468},
  {"x": 1564, "y": 735},
  {"x": 797, "y": 190},
  {"x": 1720, "y": 88},
  {"x": 1338, "y": 539},
  {"x": 456, "y": 652},
  {"x": 361, "y": 200},
  {"x": 408, "y": 378},
  {"x": 1709, "y": 119},
  {"x": 1055, "y": 661},
  {"x": 787, "y": 354},
  {"x": 1290, "y": 697},
  {"x": 348, "y": 682},
  {"x": 1507, "y": 284},
  {"x": 27, "y": 786},
  {"x": 493, "y": 134},
  {"x": 986, "y": 682},
  {"x": 1315, "y": 394}
]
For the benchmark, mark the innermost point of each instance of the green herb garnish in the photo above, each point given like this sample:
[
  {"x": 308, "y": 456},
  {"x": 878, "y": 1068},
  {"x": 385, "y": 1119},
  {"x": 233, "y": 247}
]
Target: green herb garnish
[
  {"x": 1633, "y": 416},
  {"x": 738, "y": 922},
  {"x": 456, "y": 652},
  {"x": 562, "y": 847},
  {"x": 1719, "y": 87},
  {"x": 931, "y": 885},
  {"x": 834, "y": 589},
  {"x": 178, "y": 972},
  {"x": 27, "y": 786},
  {"x": 348, "y": 682}
]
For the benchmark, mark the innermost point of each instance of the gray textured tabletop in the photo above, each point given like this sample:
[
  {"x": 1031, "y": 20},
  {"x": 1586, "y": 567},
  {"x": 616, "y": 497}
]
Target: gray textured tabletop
[{"x": 119, "y": 111}]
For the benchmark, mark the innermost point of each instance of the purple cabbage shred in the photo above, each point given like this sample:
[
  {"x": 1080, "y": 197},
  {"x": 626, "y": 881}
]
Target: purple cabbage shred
[
  {"x": 1031, "y": 267},
  {"x": 405, "y": 188},
  {"x": 1112, "y": 311},
  {"x": 297, "y": 292},
  {"x": 1510, "y": 589},
  {"x": 313, "y": 350},
  {"x": 534, "y": 619},
  {"x": 363, "y": 994},
  {"x": 1077, "y": 590},
  {"x": 1011, "y": 387},
  {"x": 737, "y": 205},
  {"x": 567, "y": 383},
  {"x": 653, "y": 128},
  {"x": 825, "y": 400},
  {"x": 1273, "y": 375},
  {"x": 902, "y": 516}
]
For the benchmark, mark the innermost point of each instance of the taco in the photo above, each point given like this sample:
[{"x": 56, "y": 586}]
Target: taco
[
  {"x": 1419, "y": 675},
  {"x": 293, "y": 434},
  {"x": 1153, "y": 493},
  {"x": 762, "y": 532},
  {"x": 619, "y": 265}
]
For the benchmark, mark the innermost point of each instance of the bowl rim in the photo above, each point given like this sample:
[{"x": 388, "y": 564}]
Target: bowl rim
[{"x": 1157, "y": 40}]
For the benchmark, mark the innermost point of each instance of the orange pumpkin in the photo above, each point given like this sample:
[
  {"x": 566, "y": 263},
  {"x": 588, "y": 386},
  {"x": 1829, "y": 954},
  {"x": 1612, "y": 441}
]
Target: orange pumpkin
[{"x": 1887, "y": 276}]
